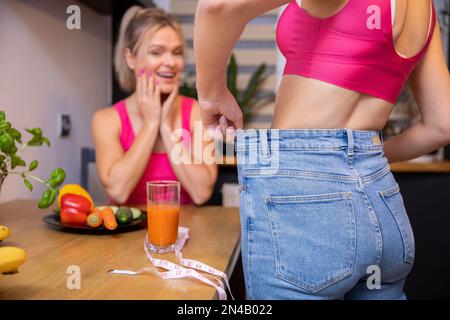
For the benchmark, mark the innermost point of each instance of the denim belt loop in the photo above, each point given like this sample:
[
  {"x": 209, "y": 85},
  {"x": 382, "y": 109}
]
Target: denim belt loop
[
  {"x": 263, "y": 136},
  {"x": 350, "y": 142}
]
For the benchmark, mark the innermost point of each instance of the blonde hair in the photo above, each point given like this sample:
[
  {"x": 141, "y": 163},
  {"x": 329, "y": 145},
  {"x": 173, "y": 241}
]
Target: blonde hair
[{"x": 136, "y": 25}]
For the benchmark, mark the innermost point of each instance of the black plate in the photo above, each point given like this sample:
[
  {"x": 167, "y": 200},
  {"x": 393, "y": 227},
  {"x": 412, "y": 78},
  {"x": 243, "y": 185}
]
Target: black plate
[{"x": 53, "y": 222}]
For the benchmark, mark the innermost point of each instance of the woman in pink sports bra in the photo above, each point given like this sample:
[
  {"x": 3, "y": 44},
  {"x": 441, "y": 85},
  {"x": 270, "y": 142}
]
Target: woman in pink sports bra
[
  {"x": 134, "y": 139},
  {"x": 322, "y": 216}
]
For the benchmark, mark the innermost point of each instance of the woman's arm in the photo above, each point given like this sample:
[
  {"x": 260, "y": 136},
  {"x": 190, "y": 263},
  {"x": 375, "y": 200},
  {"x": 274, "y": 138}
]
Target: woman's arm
[
  {"x": 120, "y": 171},
  {"x": 197, "y": 177},
  {"x": 430, "y": 83},
  {"x": 218, "y": 26}
]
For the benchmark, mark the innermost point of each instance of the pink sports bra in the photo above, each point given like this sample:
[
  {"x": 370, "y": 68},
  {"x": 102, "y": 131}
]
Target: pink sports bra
[
  {"x": 158, "y": 167},
  {"x": 353, "y": 48}
]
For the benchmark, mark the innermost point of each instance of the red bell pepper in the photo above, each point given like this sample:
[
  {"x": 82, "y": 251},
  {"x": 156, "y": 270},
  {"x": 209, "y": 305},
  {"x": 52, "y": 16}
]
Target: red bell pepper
[
  {"x": 74, "y": 209},
  {"x": 74, "y": 217}
]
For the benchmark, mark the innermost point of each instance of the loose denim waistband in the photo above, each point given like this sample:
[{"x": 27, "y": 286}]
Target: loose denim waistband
[{"x": 309, "y": 139}]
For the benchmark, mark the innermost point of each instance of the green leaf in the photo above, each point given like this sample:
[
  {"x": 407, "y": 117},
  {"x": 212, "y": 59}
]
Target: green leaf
[
  {"x": 15, "y": 134},
  {"x": 57, "y": 177},
  {"x": 254, "y": 83},
  {"x": 188, "y": 86},
  {"x": 33, "y": 165},
  {"x": 13, "y": 150},
  {"x": 35, "y": 142},
  {"x": 37, "y": 139},
  {"x": 28, "y": 184},
  {"x": 2, "y": 158},
  {"x": 232, "y": 71},
  {"x": 5, "y": 125},
  {"x": 17, "y": 161},
  {"x": 187, "y": 91},
  {"x": 2, "y": 116},
  {"x": 47, "y": 198},
  {"x": 36, "y": 132},
  {"x": 46, "y": 141},
  {"x": 6, "y": 143}
]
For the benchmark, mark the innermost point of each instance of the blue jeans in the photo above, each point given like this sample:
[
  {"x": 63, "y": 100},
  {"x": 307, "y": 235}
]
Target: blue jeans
[{"x": 322, "y": 216}]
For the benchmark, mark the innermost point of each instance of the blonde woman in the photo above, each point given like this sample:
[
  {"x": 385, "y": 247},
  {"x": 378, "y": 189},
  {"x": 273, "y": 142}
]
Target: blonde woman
[{"x": 133, "y": 138}]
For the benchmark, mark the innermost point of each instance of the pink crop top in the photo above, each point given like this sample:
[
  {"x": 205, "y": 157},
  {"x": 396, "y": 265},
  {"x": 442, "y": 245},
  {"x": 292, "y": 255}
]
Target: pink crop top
[
  {"x": 158, "y": 167},
  {"x": 351, "y": 49}
]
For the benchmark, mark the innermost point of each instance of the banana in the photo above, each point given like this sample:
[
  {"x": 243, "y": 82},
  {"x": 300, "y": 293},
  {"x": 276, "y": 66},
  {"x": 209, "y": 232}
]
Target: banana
[
  {"x": 4, "y": 233},
  {"x": 11, "y": 258}
]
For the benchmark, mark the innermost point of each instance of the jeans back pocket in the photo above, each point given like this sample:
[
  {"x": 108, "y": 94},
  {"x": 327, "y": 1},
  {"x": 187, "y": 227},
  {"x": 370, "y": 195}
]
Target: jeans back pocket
[
  {"x": 394, "y": 201},
  {"x": 314, "y": 238}
]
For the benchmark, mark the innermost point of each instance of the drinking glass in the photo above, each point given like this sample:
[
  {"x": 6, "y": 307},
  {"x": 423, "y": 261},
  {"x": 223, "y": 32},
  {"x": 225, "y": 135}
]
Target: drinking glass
[{"x": 163, "y": 211}]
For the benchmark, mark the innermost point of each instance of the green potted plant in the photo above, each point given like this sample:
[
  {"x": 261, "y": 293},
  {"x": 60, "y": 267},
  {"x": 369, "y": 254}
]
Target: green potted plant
[
  {"x": 11, "y": 149},
  {"x": 248, "y": 99}
]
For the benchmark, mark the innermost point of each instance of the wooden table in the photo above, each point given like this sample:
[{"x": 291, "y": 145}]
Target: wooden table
[{"x": 214, "y": 240}]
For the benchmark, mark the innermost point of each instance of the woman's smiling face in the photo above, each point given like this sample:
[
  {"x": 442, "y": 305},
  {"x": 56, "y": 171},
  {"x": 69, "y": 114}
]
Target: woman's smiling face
[{"x": 163, "y": 55}]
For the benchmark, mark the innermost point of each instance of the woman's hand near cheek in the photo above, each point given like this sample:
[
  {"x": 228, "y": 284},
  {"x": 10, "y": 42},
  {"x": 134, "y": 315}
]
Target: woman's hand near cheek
[
  {"x": 148, "y": 99},
  {"x": 168, "y": 108}
]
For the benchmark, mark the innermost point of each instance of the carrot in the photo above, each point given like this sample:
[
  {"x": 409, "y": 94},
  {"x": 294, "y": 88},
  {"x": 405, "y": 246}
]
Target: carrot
[
  {"x": 95, "y": 219},
  {"x": 109, "y": 219}
]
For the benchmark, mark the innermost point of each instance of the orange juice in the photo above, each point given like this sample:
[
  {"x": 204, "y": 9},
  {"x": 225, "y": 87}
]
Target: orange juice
[{"x": 163, "y": 224}]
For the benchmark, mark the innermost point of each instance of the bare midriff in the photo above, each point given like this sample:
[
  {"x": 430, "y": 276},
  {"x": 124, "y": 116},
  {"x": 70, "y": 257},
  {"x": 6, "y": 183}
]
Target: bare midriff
[{"x": 304, "y": 103}]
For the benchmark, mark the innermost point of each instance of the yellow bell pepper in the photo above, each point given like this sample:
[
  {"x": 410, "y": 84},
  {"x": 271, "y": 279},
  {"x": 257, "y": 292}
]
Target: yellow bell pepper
[{"x": 74, "y": 189}]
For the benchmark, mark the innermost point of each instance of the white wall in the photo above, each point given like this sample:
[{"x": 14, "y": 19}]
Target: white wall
[{"x": 46, "y": 69}]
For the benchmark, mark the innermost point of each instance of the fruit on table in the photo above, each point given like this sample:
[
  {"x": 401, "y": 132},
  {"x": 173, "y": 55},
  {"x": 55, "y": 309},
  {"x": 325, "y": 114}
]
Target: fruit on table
[
  {"x": 95, "y": 219},
  {"x": 74, "y": 189},
  {"x": 77, "y": 202},
  {"x": 109, "y": 219},
  {"x": 114, "y": 208},
  {"x": 124, "y": 215},
  {"x": 11, "y": 258},
  {"x": 136, "y": 213},
  {"x": 74, "y": 209},
  {"x": 4, "y": 233},
  {"x": 71, "y": 216}
]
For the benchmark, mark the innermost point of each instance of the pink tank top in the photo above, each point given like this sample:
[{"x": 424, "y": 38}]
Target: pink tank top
[
  {"x": 158, "y": 167},
  {"x": 353, "y": 48}
]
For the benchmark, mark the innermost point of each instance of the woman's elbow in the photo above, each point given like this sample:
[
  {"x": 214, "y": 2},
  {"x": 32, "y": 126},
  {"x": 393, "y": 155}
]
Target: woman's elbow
[
  {"x": 202, "y": 196},
  {"x": 117, "y": 195},
  {"x": 443, "y": 129}
]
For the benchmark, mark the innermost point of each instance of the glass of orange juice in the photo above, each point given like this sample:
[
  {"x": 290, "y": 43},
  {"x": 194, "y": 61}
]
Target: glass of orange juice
[{"x": 163, "y": 211}]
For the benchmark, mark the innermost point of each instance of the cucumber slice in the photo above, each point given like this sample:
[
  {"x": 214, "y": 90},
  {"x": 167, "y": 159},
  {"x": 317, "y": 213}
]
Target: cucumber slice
[{"x": 136, "y": 213}]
